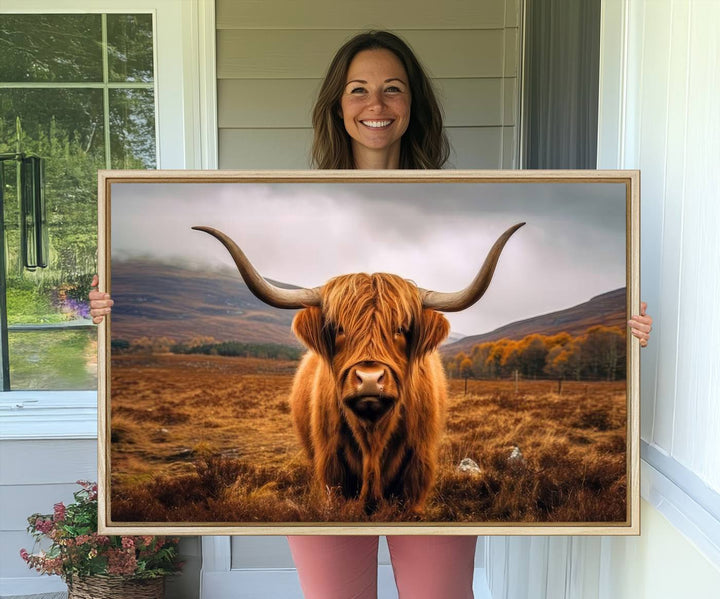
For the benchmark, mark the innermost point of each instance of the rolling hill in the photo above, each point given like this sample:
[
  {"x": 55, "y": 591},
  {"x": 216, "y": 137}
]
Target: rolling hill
[
  {"x": 606, "y": 309},
  {"x": 156, "y": 300},
  {"x": 162, "y": 300}
]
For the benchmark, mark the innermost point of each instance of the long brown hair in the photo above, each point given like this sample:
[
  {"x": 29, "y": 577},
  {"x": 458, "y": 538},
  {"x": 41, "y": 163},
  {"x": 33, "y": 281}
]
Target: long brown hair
[{"x": 424, "y": 144}]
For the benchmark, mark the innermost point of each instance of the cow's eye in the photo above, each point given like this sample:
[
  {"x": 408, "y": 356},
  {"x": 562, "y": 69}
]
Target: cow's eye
[
  {"x": 340, "y": 331},
  {"x": 400, "y": 331}
]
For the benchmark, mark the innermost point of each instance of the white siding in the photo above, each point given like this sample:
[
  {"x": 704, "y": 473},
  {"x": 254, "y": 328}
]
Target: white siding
[
  {"x": 271, "y": 59},
  {"x": 34, "y": 475}
]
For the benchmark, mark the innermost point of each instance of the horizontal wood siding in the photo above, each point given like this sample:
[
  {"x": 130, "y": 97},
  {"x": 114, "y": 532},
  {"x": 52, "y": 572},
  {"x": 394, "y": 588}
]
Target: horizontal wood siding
[
  {"x": 271, "y": 59},
  {"x": 287, "y": 103},
  {"x": 331, "y": 14},
  {"x": 34, "y": 476},
  {"x": 271, "y": 54}
]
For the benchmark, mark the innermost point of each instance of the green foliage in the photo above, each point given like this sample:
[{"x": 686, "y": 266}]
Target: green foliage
[
  {"x": 268, "y": 351},
  {"x": 119, "y": 345},
  {"x": 53, "y": 359},
  {"x": 25, "y": 304},
  {"x": 77, "y": 550}
]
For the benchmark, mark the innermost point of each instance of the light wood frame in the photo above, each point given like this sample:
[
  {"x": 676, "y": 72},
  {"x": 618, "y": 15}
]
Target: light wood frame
[{"x": 630, "y": 179}]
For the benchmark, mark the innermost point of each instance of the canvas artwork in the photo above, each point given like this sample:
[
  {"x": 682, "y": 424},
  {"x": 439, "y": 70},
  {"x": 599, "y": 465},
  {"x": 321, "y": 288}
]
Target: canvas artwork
[{"x": 324, "y": 352}]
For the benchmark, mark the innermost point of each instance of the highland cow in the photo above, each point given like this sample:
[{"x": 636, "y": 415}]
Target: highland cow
[{"x": 368, "y": 399}]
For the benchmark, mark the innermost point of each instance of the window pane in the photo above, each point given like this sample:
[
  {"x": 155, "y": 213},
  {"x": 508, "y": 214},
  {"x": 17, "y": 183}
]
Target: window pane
[
  {"x": 50, "y": 48},
  {"x": 130, "y": 47},
  {"x": 132, "y": 128},
  {"x": 48, "y": 117},
  {"x": 65, "y": 128},
  {"x": 53, "y": 360}
]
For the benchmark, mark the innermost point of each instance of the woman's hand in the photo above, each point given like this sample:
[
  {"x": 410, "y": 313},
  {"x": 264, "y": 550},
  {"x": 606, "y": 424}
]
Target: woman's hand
[
  {"x": 100, "y": 303},
  {"x": 641, "y": 325}
]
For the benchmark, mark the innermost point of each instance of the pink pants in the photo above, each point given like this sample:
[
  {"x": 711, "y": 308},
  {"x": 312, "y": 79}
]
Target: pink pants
[{"x": 425, "y": 567}]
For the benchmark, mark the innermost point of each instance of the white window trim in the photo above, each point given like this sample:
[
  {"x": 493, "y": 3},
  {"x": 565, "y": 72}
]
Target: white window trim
[
  {"x": 186, "y": 125},
  {"x": 48, "y": 415},
  {"x": 679, "y": 494}
]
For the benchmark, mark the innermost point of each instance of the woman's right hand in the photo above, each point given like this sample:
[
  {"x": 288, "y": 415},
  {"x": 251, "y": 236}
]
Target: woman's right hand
[{"x": 100, "y": 303}]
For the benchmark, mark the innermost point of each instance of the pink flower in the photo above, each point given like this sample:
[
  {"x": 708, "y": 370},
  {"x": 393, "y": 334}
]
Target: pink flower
[
  {"x": 25, "y": 555},
  {"x": 128, "y": 543},
  {"x": 121, "y": 562},
  {"x": 43, "y": 526},
  {"x": 82, "y": 539},
  {"x": 59, "y": 509},
  {"x": 53, "y": 565}
]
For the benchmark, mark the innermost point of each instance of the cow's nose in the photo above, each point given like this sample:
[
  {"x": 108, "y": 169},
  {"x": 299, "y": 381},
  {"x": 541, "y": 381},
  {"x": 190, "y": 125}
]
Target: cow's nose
[{"x": 369, "y": 380}]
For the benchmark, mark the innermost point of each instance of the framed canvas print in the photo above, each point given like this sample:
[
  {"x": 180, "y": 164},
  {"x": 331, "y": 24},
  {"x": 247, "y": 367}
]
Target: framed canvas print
[{"x": 369, "y": 352}]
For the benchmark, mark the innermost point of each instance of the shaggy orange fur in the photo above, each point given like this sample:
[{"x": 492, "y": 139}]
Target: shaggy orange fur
[{"x": 371, "y": 322}]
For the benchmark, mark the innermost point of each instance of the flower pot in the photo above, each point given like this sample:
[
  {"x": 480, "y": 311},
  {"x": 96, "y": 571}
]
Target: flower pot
[{"x": 116, "y": 587}]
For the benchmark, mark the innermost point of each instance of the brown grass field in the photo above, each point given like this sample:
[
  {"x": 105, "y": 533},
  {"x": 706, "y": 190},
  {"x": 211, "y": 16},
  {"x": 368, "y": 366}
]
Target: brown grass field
[{"x": 210, "y": 439}]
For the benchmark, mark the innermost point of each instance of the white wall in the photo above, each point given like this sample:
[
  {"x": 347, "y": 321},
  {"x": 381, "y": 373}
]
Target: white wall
[
  {"x": 660, "y": 84},
  {"x": 659, "y": 564}
]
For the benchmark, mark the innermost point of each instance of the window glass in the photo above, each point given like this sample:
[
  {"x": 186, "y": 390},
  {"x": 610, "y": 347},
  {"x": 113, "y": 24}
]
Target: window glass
[
  {"x": 130, "y": 55},
  {"x": 132, "y": 128},
  {"x": 37, "y": 48},
  {"x": 78, "y": 121}
]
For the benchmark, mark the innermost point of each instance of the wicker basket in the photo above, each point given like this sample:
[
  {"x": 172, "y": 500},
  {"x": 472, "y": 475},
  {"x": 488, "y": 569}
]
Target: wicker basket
[{"x": 116, "y": 587}]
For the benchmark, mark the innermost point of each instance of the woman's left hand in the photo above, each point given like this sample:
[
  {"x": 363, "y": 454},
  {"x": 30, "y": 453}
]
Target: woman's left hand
[{"x": 641, "y": 325}]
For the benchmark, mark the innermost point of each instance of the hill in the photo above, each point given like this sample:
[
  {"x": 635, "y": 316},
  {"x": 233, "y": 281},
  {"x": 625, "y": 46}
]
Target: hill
[
  {"x": 156, "y": 300},
  {"x": 606, "y": 309},
  {"x": 164, "y": 300}
]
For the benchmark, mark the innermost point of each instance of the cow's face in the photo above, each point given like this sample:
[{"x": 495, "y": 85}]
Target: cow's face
[{"x": 371, "y": 330}]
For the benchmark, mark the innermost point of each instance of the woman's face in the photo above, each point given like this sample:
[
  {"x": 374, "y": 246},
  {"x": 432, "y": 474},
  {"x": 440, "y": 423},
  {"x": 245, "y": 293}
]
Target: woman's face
[{"x": 375, "y": 104}]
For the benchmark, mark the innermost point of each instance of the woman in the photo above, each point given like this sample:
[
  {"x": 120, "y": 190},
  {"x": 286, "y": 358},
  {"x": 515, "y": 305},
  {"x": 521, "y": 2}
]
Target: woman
[{"x": 377, "y": 110}]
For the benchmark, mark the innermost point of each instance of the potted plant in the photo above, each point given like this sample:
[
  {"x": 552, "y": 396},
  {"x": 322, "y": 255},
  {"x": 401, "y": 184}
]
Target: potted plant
[{"x": 98, "y": 566}]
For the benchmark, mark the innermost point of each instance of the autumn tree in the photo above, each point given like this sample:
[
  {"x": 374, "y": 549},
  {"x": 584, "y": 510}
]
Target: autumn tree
[
  {"x": 603, "y": 352},
  {"x": 533, "y": 354}
]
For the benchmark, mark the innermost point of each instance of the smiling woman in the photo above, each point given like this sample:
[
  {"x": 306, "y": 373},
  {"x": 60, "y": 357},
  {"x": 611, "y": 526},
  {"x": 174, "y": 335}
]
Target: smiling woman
[
  {"x": 375, "y": 97},
  {"x": 375, "y": 108}
]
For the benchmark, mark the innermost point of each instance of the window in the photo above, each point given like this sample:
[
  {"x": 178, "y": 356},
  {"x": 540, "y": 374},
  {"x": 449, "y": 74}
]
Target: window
[{"x": 78, "y": 91}]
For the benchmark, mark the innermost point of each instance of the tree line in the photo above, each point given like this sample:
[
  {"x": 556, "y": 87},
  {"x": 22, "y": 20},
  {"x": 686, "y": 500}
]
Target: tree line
[
  {"x": 206, "y": 346},
  {"x": 598, "y": 354}
]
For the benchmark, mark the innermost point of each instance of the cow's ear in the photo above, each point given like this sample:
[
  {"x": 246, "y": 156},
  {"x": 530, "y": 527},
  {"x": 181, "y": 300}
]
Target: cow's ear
[
  {"x": 309, "y": 326},
  {"x": 431, "y": 331}
]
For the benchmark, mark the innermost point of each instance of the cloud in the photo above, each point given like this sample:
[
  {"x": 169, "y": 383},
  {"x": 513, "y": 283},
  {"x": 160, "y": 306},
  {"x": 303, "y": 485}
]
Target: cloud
[{"x": 437, "y": 234}]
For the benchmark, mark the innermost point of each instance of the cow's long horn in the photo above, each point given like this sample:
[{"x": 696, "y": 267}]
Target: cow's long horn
[
  {"x": 460, "y": 300},
  {"x": 267, "y": 292}
]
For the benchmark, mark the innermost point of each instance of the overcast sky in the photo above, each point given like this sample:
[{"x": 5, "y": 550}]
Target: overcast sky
[{"x": 436, "y": 234}]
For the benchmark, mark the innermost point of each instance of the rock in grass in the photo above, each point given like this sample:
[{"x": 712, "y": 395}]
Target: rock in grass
[
  {"x": 468, "y": 466},
  {"x": 516, "y": 457}
]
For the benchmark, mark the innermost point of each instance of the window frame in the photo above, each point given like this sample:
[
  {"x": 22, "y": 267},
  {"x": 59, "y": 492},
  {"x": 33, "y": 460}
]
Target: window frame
[{"x": 186, "y": 137}]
